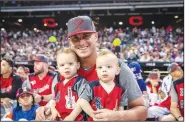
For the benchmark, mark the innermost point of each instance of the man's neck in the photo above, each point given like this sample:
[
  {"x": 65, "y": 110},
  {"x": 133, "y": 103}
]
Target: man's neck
[
  {"x": 89, "y": 61},
  {"x": 7, "y": 75},
  {"x": 42, "y": 75}
]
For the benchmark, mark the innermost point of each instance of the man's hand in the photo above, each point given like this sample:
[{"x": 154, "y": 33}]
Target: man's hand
[
  {"x": 53, "y": 115},
  {"x": 40, "y": 113},
  {"x": 106, "y": 115},
  {"x": 37, "y": 98},
  {"x": 6, "y": 102}
]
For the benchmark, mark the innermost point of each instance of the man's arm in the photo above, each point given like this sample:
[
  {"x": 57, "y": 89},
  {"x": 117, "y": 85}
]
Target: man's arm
[
  {"x": 174, "y": 106},
  {"x": 137, "y": 109}
]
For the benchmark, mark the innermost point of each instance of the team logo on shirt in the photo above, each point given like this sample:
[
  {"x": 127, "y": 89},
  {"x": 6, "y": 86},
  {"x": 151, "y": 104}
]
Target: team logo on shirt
[
  {"x": 70, "y": 99},
  {"x": 97, "y": 101},
  {"x": 33, "y": 82},
  {"x": 181, "y": 92}
]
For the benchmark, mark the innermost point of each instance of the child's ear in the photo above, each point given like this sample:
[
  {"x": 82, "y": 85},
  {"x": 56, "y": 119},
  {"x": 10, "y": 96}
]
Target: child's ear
[
  {"x": 118, "y": 70},
  {"x": 78, "y": 65}
]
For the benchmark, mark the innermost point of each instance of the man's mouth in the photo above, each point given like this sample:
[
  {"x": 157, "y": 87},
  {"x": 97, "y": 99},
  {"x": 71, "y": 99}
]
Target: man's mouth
[{"x": 84, "y": 48}]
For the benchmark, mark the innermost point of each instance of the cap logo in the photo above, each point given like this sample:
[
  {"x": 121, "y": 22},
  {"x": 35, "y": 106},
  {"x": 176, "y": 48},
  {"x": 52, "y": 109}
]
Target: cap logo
[
  {"x": 24, "y": 89},
  {"x": 78, "y": 23}
]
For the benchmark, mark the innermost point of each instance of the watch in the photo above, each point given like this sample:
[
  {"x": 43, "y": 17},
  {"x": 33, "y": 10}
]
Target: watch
[{"x": 42, "y": 98}]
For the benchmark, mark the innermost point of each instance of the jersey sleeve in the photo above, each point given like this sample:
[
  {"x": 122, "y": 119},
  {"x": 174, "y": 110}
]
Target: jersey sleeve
[
  {"x": 54, "y": 82},
  {"x": 174, "y": 97},
  {"x": 87, "y": 93},
  {"x": 128, "y": 82},
  {"x": 80, "y": 85}
]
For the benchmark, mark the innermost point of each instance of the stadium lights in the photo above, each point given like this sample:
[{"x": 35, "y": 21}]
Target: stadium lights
[
  {"x": 35, "y": 29},
  {"x": 2, "y": 29},
  {"x": 3, "y": 20},
  {"x": 176, "y": 17},
  {"x": 120, "y": 23},
  {"x": 19, "y": 20},
  {"x": 153, "y": 22}
]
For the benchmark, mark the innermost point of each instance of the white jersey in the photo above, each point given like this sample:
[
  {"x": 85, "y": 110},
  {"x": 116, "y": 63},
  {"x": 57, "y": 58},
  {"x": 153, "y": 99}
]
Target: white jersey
[{"x": 166, "y": 86}]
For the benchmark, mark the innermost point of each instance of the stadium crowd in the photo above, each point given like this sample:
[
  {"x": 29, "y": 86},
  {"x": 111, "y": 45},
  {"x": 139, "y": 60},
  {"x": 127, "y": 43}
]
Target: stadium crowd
[{"x": 150, "y": 44}]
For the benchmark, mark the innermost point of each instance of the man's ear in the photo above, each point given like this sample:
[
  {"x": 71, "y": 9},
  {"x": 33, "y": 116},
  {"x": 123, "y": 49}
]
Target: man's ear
[
  {"x": 118, "y": 70},
  {"x": 96, "y": 35}
]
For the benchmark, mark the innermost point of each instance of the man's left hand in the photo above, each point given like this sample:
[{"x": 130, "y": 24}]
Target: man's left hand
[{"x": 106, "y": 115}]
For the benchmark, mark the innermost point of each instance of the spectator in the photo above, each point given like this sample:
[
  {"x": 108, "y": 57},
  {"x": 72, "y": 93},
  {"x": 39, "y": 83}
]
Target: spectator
[
  {"x": 10, "y": 83},
  {"x": 153, "y": 86},
  {"x": 177, "y": 93},
  {"x": 42, "y": 82},
  {"x": 136, "y": 69},
  {"x": 25, "y": 108}
]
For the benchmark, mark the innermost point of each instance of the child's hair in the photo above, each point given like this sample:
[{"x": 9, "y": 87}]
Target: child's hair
[
  {"x": 67, "y": 51},
  {"x": 104, "y": 52}
]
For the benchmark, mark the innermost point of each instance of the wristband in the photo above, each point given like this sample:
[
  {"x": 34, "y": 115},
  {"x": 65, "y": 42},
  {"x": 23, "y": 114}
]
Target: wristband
[{"x": 42, "y": 98}]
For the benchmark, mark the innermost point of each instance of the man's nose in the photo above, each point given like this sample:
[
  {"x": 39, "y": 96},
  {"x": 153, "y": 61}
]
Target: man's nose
[{"x": 81, "y": 41}]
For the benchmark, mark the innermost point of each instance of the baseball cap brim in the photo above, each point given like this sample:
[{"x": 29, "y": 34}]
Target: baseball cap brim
[
  {"x": 78, "y": 32},
  {"x": 24, "y": 93}
]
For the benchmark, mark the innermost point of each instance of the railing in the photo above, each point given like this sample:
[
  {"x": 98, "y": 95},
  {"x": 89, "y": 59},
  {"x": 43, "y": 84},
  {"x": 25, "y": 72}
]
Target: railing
[{"x": 97, "y": 6}]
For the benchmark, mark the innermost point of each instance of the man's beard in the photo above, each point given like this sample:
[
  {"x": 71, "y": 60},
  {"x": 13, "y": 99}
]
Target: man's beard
[{"x": 40, "y": 71}]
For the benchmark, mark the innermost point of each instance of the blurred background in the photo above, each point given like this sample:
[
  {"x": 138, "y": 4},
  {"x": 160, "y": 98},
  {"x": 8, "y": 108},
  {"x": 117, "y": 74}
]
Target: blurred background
[{"x": 148, "y": 31}]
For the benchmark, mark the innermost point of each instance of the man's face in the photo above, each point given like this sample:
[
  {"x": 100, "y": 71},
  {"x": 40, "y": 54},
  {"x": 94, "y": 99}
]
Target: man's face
[
  {"x": 38, "y": 67},
  {"x": 67, "y": 65},
  {"x": 20, "y": 71},
  {"x": 178, "y": 72},
  {"x": 84, "y": 44},
  {"x": 5, "y": 68}
]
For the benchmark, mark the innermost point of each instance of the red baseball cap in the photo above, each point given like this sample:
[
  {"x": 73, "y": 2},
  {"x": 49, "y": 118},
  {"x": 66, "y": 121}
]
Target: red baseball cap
[{"x": 22, "y": 91}]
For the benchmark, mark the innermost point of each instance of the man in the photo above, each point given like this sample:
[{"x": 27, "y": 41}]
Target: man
[
  {"x": 83, "y": 37},
  {"x": 10, "y": 83},
  {"x": 177, "y": 93},
  {"x": 41, "y": 81}
]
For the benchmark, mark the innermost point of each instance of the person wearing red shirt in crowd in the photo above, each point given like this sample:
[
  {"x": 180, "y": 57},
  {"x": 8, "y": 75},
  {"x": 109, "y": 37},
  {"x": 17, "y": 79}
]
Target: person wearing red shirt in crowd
[
  {"x": 83, "y": 37},
  {"x": 42, "y": 81},
  {"x": 153, "y": 86},
  {"x": 10, "y": 83},
  {"x": 177, "y": 93}
]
